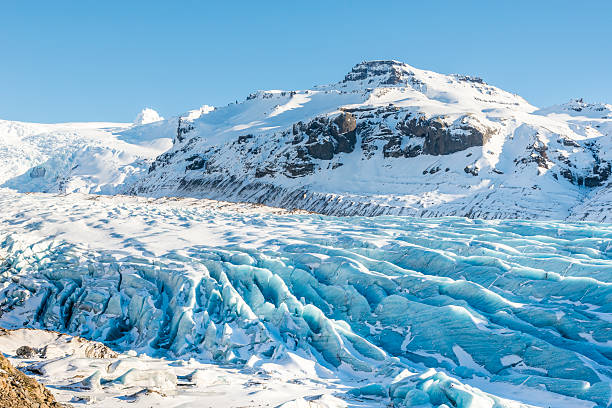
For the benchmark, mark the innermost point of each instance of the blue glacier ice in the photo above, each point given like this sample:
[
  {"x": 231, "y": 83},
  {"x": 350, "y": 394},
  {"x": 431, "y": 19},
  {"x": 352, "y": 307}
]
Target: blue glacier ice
[{"x": 421, "y": 308}]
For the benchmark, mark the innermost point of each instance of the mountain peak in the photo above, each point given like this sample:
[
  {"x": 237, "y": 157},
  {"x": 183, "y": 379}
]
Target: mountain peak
[
  {"x": 147, "y": 115},
  {"x": 386, "y": 72},
  {"x": 580, "y": 107},
  {"x": 196, "y": 113}
]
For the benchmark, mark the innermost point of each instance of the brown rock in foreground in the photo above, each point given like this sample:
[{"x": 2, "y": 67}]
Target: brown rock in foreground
[{"x": 17, "y": 390}]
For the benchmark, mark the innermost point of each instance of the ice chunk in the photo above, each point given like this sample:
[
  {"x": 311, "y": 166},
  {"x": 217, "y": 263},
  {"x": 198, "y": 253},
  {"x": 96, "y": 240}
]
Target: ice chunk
[
  {"x": 160, "y": 379},
  {"x": 91, "y": 383}
]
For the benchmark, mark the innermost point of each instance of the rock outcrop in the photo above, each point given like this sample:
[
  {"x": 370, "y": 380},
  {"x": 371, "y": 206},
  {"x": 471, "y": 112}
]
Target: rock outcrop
[{"x": 17, "y": 390}]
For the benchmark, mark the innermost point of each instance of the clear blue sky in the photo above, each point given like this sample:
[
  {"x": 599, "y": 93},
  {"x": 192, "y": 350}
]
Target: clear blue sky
[{"x": 105, "y": 60}]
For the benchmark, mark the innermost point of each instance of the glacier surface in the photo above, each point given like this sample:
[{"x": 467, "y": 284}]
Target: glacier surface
[{"x": 447, "y": 312}]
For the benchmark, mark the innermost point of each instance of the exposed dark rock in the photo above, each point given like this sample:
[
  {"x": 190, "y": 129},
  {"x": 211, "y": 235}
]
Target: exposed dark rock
[
  {"x": 598, "y": 176},
  {"x": 471, "y": 169},
  {"x": 440, "y": 138},
  {"x": 467, "y": 78},
  {"x": 567, "y": 174},
  {"x": 327, "y": 138},
  {"x": 601, "y": 173},
  {"x": 299, "y": 169},
  {"x": 259, "y": 173},
  {"x": 197, "y": 163},
  {"x": 244, "y": 138},
  {"x": 393, "y": 148},
  {"x": 182, "y": 129},
  {"x": 569, "y": 142},
  {"x": 346, "y": 123},
  {"x": 538, "y": 154},
  {"x": 368, "y": 70},
  {"x": 323, "y": 150},
  {"x": 162, "y": 160},
  {"x": 346, "y": 137},
  {"x": 26, "y": 352}
]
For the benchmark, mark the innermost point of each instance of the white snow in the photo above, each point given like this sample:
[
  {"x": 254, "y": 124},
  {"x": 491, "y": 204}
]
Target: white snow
[
  {"x": 146, "y": 116},
  {"x": 100, "y": 158},
  {"x": 196, "y": 113}
]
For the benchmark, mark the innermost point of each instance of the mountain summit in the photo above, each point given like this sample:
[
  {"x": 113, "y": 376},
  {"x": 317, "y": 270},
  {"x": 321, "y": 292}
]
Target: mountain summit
[
  {"x": 146, "y": 116},
  {"x": 393, "y": 139}
]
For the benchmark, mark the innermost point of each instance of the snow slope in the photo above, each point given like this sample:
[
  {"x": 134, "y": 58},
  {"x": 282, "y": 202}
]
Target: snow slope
[{"x": 380, "y": 310}]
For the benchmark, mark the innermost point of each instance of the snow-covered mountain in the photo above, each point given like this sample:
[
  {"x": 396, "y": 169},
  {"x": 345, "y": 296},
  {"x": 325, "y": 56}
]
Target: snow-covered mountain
[
  {"x": 393, "y": 139},
  {"x": 387, "y": 139}
]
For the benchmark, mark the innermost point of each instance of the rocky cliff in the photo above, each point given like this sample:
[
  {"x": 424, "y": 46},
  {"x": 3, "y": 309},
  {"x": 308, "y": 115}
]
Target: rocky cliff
[{"x": 17, "y": 390}]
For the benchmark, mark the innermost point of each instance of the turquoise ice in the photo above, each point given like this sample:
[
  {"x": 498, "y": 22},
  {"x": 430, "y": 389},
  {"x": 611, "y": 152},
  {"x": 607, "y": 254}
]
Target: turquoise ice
[{"x": 417, "y": 308}]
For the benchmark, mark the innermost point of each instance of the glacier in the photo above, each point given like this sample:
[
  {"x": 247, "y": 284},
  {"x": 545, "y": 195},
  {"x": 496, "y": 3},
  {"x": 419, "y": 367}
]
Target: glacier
[
  {"x": 444, "y": 312},
  {"x": 90, "y": 157}
]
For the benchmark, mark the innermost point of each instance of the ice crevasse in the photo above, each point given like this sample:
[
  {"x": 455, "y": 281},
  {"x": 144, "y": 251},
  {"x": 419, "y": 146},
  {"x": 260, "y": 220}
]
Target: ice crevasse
[{"x": 418, "y": 307}]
